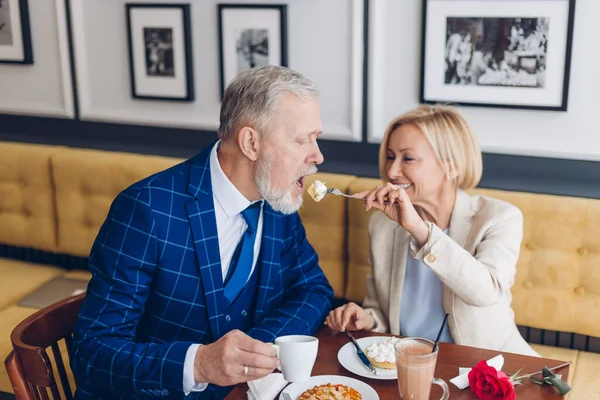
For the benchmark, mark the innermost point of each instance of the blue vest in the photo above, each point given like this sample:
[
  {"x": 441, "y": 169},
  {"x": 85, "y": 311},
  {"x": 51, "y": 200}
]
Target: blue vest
[{"x": 239, "y": 315}]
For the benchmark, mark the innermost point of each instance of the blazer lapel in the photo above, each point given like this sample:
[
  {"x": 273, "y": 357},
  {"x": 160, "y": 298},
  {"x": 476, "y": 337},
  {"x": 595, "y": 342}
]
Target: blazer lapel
[
  {"x": 269, "y": 261},
  {"x": 201, "y": 215},
  {"x": 460, "y": 223},
  {"x": 460, "y": 228},
  {"x": 400, "y": 252}
]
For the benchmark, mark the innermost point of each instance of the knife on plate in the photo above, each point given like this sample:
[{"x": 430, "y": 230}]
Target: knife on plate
[{"x": 361, "y": 354}]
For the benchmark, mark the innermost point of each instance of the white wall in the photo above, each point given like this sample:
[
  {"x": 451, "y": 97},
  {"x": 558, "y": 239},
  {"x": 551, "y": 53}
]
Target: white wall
[
  {"x": 324, "y": 42},
  {"x": 394, "y": 76},
  {"x": 43, "y": 88}
]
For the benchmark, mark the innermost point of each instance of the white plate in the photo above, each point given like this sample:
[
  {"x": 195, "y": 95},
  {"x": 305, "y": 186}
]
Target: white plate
[
  {"x": 297, "y": 388},
  {"x": 349, "y": 359}
]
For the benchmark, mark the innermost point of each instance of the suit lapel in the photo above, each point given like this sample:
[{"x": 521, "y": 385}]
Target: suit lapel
[
  {"x": 399, "y": 254},
  {"x": 201, "y": 216},
  {"x": 269, "y": 260}
]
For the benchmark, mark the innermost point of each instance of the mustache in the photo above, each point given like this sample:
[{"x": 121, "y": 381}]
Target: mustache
[{"x": 308, "y": 171}]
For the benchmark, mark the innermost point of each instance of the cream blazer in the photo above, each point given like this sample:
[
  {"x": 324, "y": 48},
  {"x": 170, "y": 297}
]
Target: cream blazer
[{"x": 476, "y": 263}]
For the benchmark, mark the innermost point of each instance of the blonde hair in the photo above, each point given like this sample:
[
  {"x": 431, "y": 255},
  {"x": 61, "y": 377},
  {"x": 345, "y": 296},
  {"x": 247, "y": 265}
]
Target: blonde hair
[{"x": 451, "y": 138}]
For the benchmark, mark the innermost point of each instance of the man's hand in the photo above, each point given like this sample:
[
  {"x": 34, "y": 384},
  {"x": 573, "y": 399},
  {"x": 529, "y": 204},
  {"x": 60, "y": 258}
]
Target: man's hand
[
  {"x": 222, "y": 362},
  {"x": 350, "y": 317}
]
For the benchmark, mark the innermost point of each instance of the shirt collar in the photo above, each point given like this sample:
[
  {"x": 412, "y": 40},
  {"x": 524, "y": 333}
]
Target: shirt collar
[{"x": 229, "y": 197}]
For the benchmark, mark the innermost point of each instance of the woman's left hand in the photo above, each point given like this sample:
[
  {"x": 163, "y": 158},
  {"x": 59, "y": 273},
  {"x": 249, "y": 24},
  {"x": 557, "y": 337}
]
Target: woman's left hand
[{"x": 394, "y": 202}]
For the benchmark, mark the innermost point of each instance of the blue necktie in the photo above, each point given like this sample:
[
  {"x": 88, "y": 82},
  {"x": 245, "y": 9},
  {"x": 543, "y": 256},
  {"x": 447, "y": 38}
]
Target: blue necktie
[{"x": 243, "y": 257}]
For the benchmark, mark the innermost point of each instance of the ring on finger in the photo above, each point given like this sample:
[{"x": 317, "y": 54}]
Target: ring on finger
[{"x": 245, "y": 370}]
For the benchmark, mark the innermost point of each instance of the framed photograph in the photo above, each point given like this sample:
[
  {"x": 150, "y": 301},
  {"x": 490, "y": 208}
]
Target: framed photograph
[
  {"x": 15, "y": 33},
  {"x": 160, "y": 51},
  {"x": 497, "y": 53},
  {"x": 251, "y": 35}
]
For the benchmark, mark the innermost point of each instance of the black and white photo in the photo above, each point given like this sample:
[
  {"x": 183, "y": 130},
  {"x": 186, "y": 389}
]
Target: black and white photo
[
  {"x": 499, "y": 53},
  {"x": 252, "y": 48},
  {"x": 250, "y": 36},
  {"x": 15, "y": 35},
  {"x": 160, "y": 51},
  {"x": 496, "y": 51},
  {"x": 6, "y": 37}
]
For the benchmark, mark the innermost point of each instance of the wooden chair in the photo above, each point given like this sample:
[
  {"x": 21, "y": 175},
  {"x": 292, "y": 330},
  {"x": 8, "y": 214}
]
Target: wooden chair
[{"x": 29, "y": 367}]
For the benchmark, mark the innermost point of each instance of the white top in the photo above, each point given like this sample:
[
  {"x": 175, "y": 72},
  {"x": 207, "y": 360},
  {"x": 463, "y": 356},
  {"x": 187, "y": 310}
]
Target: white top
[{"x": 422, "y": 305}]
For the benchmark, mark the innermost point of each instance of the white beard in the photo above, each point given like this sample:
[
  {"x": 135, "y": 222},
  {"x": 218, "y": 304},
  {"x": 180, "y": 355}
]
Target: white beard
[{"x": 281, "y": 200}]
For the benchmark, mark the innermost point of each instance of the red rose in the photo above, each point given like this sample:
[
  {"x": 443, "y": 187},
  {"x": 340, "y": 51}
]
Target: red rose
[{"x": 487, "y": 383}]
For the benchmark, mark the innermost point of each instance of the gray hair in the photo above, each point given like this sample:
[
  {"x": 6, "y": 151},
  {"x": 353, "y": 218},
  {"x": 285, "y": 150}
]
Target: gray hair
[{"x": 252, "y": 98}]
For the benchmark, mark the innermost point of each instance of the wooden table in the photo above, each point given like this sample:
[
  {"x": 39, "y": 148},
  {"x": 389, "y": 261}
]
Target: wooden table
[{"x": 450, "y": 358}]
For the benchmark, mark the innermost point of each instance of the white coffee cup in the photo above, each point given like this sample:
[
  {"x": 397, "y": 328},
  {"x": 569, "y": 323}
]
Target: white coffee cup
[{"x": 297, "y": 355}]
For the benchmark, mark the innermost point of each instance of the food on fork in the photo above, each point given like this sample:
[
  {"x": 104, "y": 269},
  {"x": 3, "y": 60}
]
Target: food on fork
[
  {"x": 331, "y": 392},
  {"x": 381, "y": 354},
  {"x": 317, "y": 190}
]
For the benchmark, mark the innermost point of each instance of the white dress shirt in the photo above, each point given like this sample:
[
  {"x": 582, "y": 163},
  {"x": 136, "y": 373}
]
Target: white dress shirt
[{"x": 229, "y": 203}]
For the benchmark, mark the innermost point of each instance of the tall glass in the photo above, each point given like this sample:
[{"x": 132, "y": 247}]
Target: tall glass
[{"x": 415, "y": 363}]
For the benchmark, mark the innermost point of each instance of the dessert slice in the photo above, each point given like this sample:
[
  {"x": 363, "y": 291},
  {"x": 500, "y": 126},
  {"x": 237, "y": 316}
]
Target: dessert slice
[
  {"x": 381, "y": 354},
  {"x": 317, "y": 190}
]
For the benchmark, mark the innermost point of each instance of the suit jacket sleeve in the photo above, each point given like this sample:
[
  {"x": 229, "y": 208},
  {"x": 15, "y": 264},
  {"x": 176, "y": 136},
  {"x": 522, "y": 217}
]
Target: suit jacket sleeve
[
  {"x": 122, "y": 262},
  {"x": 307, "y": 294},
  {"x": 483, "y": 278}
]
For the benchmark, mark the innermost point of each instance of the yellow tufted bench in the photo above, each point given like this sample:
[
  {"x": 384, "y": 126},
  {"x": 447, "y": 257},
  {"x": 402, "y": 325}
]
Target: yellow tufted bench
[
  {"x": 54, "y": 199},
  {"x": 86, "y": 183},
  {"x": 325, "y": 224}
]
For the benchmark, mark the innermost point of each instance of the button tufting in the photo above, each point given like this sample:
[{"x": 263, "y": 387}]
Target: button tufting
[
  {"x": 528, "y": 284},
  {"x": 87, "y": 222},
  {"x": 582, "y": 251},
  {"x": 579, "y": 290},
  {"x": 531, "y": 246}
]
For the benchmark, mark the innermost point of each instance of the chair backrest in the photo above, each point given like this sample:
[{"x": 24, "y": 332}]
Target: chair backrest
[{"x": 31, "y": 371}]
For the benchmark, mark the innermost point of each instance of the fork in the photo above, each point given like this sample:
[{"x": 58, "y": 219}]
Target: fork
[
  {"x": 286, "y": 396},
  {"x": 337, "y": 192}
]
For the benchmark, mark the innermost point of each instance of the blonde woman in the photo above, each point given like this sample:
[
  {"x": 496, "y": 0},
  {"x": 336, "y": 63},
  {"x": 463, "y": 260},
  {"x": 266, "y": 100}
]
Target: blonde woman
[{"x": 434, "y": 248}]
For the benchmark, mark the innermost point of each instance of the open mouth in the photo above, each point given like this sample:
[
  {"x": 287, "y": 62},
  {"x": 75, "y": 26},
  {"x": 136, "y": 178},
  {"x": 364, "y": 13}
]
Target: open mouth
[
  {"x": 404, "y": 185},
  {"x": 300, "y": 182}
]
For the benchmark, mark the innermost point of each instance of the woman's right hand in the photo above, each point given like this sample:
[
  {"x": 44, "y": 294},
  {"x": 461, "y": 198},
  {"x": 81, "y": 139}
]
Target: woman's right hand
[{"x": 350, "y": 317}]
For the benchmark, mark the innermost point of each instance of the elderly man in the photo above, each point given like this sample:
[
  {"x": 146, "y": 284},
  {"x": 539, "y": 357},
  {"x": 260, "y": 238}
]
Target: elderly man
[{"x": 198, "y": 267}]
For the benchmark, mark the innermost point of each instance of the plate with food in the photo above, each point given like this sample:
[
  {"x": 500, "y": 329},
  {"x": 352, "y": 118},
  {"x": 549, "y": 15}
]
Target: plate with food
[
  {"x": 380, "y": 352},
  {"x": 330, "y": 387}
]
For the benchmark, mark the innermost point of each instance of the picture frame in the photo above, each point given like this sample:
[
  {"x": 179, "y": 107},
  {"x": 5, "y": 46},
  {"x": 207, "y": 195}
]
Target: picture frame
[
  {"x": 497, "y": 53},
  {"x": 250, "y": 35},
  {"x": 15, "y": 33},
  {"x": 160, "y": 51}
]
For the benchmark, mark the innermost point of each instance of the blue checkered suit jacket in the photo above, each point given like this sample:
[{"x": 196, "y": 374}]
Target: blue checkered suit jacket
[{"x": 157, "y": 287}]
